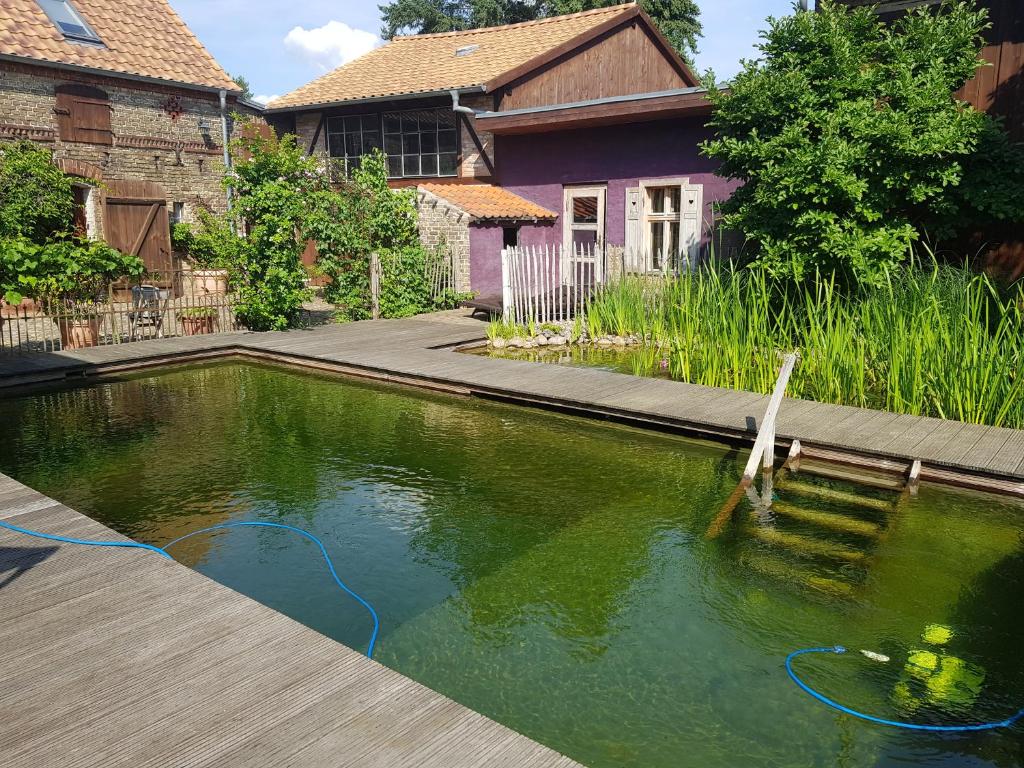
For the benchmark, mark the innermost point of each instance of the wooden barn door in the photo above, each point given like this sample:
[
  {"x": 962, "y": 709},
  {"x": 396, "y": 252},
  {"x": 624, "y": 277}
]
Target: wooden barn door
[{"x": 136, "y": 223}]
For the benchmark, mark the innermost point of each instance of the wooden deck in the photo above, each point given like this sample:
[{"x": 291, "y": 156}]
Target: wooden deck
[
  {"x": 418, "y": 350},
  {"x": 119, "y": 657}
]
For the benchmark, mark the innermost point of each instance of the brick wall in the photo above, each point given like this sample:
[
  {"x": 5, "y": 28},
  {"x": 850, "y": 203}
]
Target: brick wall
[
  {"x": 145, "y": 132},
  {"x": 443, "y": 225},
  {"x": 473, "y": 165}
]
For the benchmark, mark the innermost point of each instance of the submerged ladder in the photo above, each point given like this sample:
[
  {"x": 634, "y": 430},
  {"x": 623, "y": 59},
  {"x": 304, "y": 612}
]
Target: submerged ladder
[
  {"x": 763, "y": 455},
  {"x": 818, "y": 520}
]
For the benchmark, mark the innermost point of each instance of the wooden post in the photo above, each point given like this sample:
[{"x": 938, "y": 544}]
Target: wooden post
[
  {"x": 506, "y": 286},
  {"x": 375, "y": 285},
  {"x": 914, "y": 478}
]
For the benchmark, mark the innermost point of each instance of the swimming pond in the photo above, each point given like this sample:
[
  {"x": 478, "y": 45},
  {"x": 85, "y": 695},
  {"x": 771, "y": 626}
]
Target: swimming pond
[{"x": 555, "y": 573}]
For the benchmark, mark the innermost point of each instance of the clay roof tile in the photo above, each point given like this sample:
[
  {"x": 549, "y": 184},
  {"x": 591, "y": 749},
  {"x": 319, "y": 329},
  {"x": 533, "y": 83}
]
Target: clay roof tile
[{"x": 143, "y": 38}]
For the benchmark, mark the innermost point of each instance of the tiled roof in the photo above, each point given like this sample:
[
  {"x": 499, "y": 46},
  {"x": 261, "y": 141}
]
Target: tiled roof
[
  {"x": 483, "y": 202},
  {"x": 141, "y": 37},
  {"x": 429, "y": 63}
]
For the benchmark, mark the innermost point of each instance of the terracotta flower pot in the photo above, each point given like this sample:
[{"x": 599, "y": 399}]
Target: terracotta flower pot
[
  {"x": 79, "y": 333},
  {"x": 196, "y": 326},
  {"x": 209, "y": 281}
]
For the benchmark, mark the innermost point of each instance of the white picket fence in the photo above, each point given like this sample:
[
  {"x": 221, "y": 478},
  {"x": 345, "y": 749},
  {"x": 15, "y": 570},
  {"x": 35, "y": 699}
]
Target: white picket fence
[{"x": 549, "y": 284}]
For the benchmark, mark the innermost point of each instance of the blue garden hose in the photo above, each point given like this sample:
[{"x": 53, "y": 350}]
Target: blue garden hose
[
  {"x": 838, "y": 649},
  {"x": 246, "y": 524}
]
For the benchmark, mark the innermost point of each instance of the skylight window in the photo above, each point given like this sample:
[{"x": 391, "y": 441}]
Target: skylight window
[
  {"x": 466, "y": 50},
  {"x": 69, "y": 21}
]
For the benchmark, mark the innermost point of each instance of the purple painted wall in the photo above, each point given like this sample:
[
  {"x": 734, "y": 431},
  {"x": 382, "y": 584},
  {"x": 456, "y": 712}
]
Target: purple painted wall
[
  {"x": 485, "y": 252},
  {"x": 539, "y": 166}
]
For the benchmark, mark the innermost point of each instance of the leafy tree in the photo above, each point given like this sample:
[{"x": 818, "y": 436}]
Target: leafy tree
[
  {"x": 850, "y": 145},
  {"x": 36, "y": 197},
  {"x": 679, "y": 20},
  {"x": 363, "y": 216},
  {"x": 243, "y": 83},
  {"x": 271, "y": 179}
]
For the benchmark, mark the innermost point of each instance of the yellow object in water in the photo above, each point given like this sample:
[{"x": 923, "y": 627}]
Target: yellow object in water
[
  {"x": 922, "y": 664},
  {"x": 957, "y": 683},
  {"x": 937, "y": 634}
]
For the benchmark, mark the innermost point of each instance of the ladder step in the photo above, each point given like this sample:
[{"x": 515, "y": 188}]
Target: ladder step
[
  {"x": 849, "y": 475},
  {"x": 807, "y": 545},
  {"x": 783, "y": 571},
  {"x": 831, "y": 520},
  {"x": 842, "y": 497}
]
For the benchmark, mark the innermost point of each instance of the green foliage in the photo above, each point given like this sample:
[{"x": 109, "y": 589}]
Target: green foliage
[
  {"x": 68, "y": 271},
  {"x": 38, "y": 258},
  {"x": 36, "y": 197},
  {"x": 850, "y": 146},
  {"x": 209, "y": 243},
  {"x": 363, "y": 216},
  {"x": 679, "y": 20},
  {"x": 272, "y": 180},
  {"x": 242, "y": 82},
  {"x": 933, "y": 342}
]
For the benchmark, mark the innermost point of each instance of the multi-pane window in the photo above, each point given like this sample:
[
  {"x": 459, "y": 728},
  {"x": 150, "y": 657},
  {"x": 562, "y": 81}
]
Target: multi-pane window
[
  {"x": 349, "y": 138},
  {"x": 663, "y": 216},
  {"x": 422, "y": 142}
]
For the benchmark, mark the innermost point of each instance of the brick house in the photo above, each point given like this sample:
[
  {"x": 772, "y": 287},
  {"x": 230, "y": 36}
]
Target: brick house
[
  {"x": 129, "y": 101},
  {"x": 577, "y": 130}
]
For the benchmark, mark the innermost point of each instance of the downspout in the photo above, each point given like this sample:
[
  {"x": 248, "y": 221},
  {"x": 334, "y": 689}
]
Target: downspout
[
  {"x": 459, "y": 109},
  {"x": 456, "y": 107},
  {"x": 224, "y": 136}
]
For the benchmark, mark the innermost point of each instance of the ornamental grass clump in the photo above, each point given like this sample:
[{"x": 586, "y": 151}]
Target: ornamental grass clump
[{"x": 936, "y": 341}]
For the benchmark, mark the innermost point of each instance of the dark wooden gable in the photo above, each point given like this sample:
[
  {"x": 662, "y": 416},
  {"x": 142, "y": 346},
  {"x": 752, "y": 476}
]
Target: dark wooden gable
[
  {"x": 83, "y": 114},
  {"x": 628, "y": 58}
]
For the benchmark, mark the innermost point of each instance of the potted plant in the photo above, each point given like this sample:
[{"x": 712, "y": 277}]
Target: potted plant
[
  {"x": 196, "y": 321},
  {"x": 206, "y": 248},
  {"x": 72, "y": 277}
]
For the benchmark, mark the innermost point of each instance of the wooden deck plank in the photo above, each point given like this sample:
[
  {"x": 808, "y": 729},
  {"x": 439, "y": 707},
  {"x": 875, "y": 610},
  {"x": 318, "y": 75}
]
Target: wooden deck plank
[{"x": 119, "y": 657}]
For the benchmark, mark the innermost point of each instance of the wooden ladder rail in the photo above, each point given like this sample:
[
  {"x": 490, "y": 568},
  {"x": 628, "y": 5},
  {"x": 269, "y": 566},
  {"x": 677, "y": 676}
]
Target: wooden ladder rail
[{"x": 763, "y": 452}]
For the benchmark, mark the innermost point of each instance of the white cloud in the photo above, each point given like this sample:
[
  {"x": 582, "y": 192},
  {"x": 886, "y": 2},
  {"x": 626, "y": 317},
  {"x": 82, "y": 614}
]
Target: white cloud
[
  {"x": 262, "y": 99},
  {"x": 331, "y": 45}
]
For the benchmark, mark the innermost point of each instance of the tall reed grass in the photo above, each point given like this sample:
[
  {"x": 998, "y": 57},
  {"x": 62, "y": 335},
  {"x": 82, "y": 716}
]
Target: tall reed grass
[{"x": 935, "y": 341}]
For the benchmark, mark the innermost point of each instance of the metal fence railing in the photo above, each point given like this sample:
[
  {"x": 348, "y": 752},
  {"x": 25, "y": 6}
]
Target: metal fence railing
[{"x": 180, "y": 303}]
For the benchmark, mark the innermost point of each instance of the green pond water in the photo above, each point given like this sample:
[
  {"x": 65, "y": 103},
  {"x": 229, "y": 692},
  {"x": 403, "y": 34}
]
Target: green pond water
[{"x": 556, "y": 574}]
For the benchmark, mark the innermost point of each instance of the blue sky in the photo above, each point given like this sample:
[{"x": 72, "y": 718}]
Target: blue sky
[{"x": 280, "y": 46}]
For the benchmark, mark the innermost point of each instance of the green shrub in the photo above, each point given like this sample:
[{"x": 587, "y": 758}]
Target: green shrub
[
  {"x": 69, "y": 271},
  {"x": 272, "y": 181},
  {"x": 209, "y": 243},
  {"x": 850, "y": 147},
  {"x": 36, "y": 197},
  {"x": 363, "y": 216}
]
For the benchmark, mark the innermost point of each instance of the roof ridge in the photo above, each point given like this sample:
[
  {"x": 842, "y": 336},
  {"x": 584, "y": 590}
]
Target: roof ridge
[{"x": 608, "y": 9}]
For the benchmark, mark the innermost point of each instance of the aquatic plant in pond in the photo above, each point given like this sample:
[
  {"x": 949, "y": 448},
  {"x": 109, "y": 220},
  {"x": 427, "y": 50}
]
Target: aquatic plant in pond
[{"x": 937, "y": 341}]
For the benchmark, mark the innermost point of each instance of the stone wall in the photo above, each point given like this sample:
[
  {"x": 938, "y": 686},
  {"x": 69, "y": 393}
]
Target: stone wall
[
  {"x": 157, "y": 135},
  {"x": 442, "y": 225}
]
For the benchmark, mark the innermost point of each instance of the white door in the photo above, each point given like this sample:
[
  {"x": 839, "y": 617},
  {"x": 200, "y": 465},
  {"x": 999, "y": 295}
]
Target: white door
[{"x": 583, "y": 233}]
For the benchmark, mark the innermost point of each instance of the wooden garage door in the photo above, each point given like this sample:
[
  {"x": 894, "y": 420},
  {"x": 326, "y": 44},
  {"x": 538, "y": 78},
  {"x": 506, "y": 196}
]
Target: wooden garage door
[{"x": 138, "y": 225}]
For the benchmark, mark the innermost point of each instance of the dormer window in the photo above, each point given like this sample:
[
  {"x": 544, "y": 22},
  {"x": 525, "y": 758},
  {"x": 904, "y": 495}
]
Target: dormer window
[{"x": 69, "y": 21}]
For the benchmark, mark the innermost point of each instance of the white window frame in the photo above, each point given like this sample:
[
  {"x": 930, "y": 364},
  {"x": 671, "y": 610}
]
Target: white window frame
[{"x": 688, "y": 253}]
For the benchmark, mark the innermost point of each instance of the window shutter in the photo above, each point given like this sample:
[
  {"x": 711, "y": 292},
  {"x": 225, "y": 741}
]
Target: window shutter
[
  {"x": 83, "y": 115},
  {"x": 634, "y": 233},
  {"x": 691, "y": 227}
]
